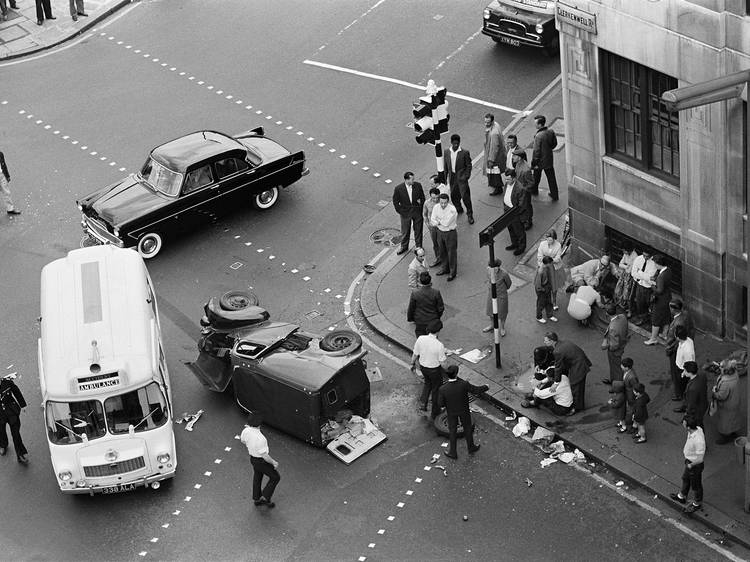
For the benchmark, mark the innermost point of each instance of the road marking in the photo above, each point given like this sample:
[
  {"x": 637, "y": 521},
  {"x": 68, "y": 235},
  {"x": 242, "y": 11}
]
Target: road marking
[{"x": 407, "y": 84}]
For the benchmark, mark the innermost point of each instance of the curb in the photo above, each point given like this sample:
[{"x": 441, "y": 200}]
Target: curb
[
  {"x": 635, "y": 474},
  {"x": 84, "y": 28}
]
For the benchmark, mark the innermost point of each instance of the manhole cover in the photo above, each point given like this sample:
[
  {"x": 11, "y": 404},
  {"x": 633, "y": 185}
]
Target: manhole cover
[
  {"x": 312, "y": 314},
  {"x": 386, "y": 236}
]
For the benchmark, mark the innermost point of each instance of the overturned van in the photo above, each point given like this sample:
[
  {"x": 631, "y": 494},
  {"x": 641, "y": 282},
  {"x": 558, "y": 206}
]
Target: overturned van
[{"x": 312, "y": 387}]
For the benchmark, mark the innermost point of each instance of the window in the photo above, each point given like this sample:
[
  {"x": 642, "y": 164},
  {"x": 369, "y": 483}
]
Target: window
[
  {"x": 74, "y": 422},
  {"x": 230, "y": 166},
  {"x": 197, "y": 179},
  {"x": 144, "y": 409},
  {"x": 638, "y": 126},
  {"x": 161, "y": 178}
]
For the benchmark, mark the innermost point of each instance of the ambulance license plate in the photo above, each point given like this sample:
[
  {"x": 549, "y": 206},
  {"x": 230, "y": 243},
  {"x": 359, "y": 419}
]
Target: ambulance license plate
[{"x": 118, "y": 489}]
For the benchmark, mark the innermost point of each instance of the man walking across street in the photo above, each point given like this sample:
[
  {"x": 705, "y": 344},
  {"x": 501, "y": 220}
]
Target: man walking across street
[
  {"x": 263, "y": 463},
  {"x": 692, "y": 477},
  {"x": 429, "y": 353},
  {"x": 570, "y": 360},
  {"x": 515, "y": 197},
  {"x": 615, "y": 339},
  {"x": 458, "y": 168},
  {"x": 545, "y": 142},
  {"x": 408, "y": 199},
  {"x": 444, "y": 219},
  {"x": 494, "y": 152},
  {"x": 4, "y": 189},
  {"x": 680, "y": 317},
  {"x": 11, "y": 404},
  {"x": 454, "y": 395},
  {"x": 425, "y": 305}
]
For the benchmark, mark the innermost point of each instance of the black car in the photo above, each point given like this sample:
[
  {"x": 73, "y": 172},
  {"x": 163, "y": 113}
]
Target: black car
[
  {"x": 522, "y": 22},
  {"x": 186, "y": 181}
]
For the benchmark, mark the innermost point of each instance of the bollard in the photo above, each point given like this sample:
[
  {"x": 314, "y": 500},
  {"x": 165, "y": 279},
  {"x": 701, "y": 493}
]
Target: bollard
[{"x": 741, "y": 446}]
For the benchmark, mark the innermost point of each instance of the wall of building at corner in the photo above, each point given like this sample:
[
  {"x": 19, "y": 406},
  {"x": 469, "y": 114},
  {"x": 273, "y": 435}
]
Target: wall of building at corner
[{"x": 700, "y": 221}]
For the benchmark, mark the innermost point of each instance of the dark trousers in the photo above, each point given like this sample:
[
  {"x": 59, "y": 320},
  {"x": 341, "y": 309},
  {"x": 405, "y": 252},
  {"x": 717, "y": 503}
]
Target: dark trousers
[
  {"x": 406, "y": 230},
  {"x": 516, "y": 231},
  {"x": 459, "y": 194},
  {"x": 543, "y": 303},
  {"x": 579, "y": 394},
  {"x": 433, "y": 379},
  {"x": 551, "y": 182},
  {"x": 435, "y": 243},
  {"x": 692, "y": 478},
  {"x": 76, "y": 7},
  {"x": 552, "y": 406},
  {"x": 448, "y": 241},
  {"x": 641, "y": 298},
  {"x": 678, "y": 382},
  {"x": 4, "y": 6},
  {"x": 261, "y": 468},
  {"x": 614, "y": 358},
  {"x": 43, "y": 9},
  {"x": 453, "y": 427},
  {"x": 15, "y": 432}
]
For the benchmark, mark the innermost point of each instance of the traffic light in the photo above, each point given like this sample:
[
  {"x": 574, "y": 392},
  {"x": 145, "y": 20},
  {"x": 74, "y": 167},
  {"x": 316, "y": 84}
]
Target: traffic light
[{"x": 424, "y": 117}]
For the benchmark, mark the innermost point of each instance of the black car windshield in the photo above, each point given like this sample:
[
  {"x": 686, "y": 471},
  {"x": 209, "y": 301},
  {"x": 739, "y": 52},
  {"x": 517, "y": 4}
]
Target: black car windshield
[
  {"x": 160, "y": 178},
  {"x": 144, "y": 409},
  {"x": 74, "y": 422}
]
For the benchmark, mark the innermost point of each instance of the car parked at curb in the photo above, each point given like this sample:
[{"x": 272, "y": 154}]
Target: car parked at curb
[
  {"x": 522, "y": 22},
  {"x": 184, "y": 183}
]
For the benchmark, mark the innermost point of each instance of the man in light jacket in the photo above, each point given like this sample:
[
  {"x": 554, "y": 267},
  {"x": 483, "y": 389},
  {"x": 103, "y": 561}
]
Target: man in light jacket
[{"x": 494, "y": 148}]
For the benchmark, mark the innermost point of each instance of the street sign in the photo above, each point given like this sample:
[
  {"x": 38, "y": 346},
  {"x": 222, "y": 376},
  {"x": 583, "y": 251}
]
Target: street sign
[{"x": 487, "y": 234}]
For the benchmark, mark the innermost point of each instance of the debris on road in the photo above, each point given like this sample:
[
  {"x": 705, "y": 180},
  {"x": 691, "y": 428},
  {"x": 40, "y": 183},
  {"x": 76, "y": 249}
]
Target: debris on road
[
  {"x": 466, "y": 517},
  {"x": 546, "y": 462},
  {"x": 522, "y": 427},
  {"x": 619, "y": 483},
  {"x": 542, "y": 434},
  {"x": 529, "y": 483},
  {"x": 435, "y": 458},
  {"x": 189, "y": 419}
]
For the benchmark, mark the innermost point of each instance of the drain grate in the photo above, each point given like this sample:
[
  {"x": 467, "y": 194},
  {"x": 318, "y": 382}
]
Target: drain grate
[
  {"x": 312, "y": 314},
  {"x": 386, "y": 236}
]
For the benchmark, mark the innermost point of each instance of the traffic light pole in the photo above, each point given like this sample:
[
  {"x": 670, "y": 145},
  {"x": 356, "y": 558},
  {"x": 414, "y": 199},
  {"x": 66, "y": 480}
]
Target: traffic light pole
[
  {"x": 493, "y": 289},
  {"x": 438, "y": 145}
]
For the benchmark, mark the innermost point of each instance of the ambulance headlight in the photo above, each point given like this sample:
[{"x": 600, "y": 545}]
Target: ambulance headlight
[
  {"x": 163, "y": 458},
  {"x": 64, "y": 475}
]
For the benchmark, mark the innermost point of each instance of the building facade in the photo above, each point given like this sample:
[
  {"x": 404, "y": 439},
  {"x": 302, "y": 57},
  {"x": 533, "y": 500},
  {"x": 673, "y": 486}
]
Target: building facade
[{"x": 675, "y": 182}]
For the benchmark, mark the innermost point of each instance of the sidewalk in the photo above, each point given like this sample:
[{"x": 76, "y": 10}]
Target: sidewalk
[
  {"x": 656, "y": 465},
  {"x": 21, "y": 36}
]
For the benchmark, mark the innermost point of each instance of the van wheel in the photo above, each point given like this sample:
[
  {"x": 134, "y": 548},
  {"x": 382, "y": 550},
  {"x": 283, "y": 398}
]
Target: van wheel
[
  {"x": 341, "y": 342},
  {"x": 238, "y": 300},
  {"x": 441, "y": 425},
  {"x": 266, "y": 199},
  {"x": 149, "y": 245}
]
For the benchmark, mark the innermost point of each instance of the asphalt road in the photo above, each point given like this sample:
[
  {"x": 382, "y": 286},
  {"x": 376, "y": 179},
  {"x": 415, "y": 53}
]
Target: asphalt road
[{"x": 81, "y": 117}]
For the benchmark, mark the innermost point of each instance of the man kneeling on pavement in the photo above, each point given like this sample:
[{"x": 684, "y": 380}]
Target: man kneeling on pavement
[{"x": 556, "y": 396}]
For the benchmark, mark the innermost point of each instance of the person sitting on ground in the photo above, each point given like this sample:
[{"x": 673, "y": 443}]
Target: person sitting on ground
[
  {"x": 592, "y": 272},
  {"x": 557, "y": 398},
  {"x": 582, "y": 299}
]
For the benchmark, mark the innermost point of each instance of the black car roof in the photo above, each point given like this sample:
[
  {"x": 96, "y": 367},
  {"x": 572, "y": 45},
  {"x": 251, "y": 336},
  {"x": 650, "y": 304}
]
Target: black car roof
[{"x": 179, "y": 154}]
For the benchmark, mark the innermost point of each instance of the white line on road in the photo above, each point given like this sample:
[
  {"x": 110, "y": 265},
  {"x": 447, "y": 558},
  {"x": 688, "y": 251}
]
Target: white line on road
[{"x": 407, "y": 84}]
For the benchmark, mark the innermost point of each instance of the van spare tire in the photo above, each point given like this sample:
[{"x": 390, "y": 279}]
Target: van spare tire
[
  {"x": 341, "y": 342},
  {"x": 441, "y": 425},
  {"x": 238, "y": 300}
]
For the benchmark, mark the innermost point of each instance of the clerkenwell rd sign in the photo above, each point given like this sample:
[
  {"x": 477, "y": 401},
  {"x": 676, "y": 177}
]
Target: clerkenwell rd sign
[{"x": 576, "y": 17}]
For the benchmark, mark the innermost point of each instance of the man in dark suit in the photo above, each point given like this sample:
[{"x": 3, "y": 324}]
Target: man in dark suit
[
  {"x": 680, "y": 317},
  {"x": 425, "y": 305},
  {"x": 696, "y": 393},
  {"x": 408, "y": 199},
  {"x": 572, "y": 361},
  {"x": 458, "y": 169},
  {"x": 545, "y": 142},
  {"x": 454, "y": 395},
  {"x": 515, "y": 197},
  {"x": 616, "y": 338},
  {"x": 11, "y": 404}
]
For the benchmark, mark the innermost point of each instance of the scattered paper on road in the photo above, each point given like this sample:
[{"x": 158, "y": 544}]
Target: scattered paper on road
[
  {"x": 522, "y": 427},
  {"x": 474, "y": 356},
  {"x": 546, "y": 462}
]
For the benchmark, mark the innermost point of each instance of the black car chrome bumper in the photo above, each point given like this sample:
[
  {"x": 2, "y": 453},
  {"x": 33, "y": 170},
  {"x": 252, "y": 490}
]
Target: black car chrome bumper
[{"x": 99, "y": 233}]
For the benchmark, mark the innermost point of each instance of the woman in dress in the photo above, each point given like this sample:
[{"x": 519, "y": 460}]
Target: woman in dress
[
  {"x": 725, "y": 394},
  {"x": 549, "y": 246},
  {"x": 503, "y": 283},
  {"x": 625, "y": 282}
]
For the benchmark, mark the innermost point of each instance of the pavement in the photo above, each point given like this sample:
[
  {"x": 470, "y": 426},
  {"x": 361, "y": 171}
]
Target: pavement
[
  {"x": 21, "y": 36},
  {"x": 656, "y": 465}
]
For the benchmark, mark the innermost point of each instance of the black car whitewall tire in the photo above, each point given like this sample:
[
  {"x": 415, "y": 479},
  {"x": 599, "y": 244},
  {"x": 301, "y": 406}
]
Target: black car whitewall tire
[
  {"x": 266, "y": 199},
  {"x": 341, "y": 342},
  {"x": 238, "y": 300},
  {"x": 149, "y": 245}
]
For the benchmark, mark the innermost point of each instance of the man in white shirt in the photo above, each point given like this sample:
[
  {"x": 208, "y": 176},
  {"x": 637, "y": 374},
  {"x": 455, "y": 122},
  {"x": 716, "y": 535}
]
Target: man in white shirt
[
  {"x": 643, "y": 272},
  {"x": 429, "y": 353},
  {"x": 515, "y": 197},
  {"x": 444, "y": 218},
  {"x": 694, "y": 452},
  {"x": 263, "y": 463},
  {"x": 416, "y": 267},
  {"x": 432, "y": 202},
  {"x": 558, "y": 397},
  {"x": 582, "y": 299}
]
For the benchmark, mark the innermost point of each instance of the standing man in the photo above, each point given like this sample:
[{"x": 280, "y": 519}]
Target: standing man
[
  {"x": 692, "y": 477},
  {"x": 76, "y": 9},
  {"x": 644, "y": 271},
  {"x": 515, "y": 196},
  {"x": 444, "y": 218},
  {"x": 416, "y": 267},
  {"x": 454, "y": 395},
  {"x": 425, "y": 305},
  {"x": 572, "y": 361},
  {"x": 615, "y": 339},
  {"x": 429, "y": 204},
  {"x": 680, "y": 317},
  {"x": 429, "y": 352},
  {"x": 458, "y": 167},
  {"x": 525, "y": 177},
  {"x": 11, "y": 404},
  {"x": 408, "y": 199},
  {"x": 696, "y": 393},
  {"x": 43, "y": 9},
  {"x": 494, "y": 149},
  {"x": 511, "y": 143},
  {"x": 4, "y": 8},
  {"x": 263, "y": 463},
  {"x": 442, "y": 188},
  {"x": 4, "y": 189},
  {"x": 545, "y": 142}
]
